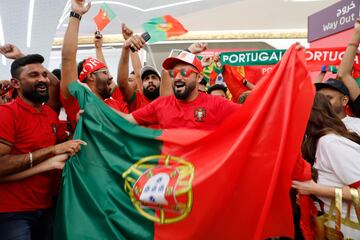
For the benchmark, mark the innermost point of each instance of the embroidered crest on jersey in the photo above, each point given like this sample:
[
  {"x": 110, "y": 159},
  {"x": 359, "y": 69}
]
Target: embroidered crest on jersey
[{"x": 199, "y": 114}]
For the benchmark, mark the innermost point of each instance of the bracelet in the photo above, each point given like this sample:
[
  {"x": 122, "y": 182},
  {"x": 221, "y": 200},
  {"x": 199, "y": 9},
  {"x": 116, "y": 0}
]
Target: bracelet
[
  {"x": 353, "y": 44},
  {"x": 31, "y": 159},
  {"x": 75, "y": 15}
]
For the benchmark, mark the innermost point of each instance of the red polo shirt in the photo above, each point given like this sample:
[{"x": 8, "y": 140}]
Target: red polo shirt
[
  {"x": 26, "y": 130},
  {"x": 206, "y": 112}
]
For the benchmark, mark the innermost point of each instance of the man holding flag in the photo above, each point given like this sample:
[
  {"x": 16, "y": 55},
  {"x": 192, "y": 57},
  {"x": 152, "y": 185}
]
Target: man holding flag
[
  {"x": 90, "y": 71},
  {"x": 187, "y": 108},
  {"x": 202, "y": 185}
]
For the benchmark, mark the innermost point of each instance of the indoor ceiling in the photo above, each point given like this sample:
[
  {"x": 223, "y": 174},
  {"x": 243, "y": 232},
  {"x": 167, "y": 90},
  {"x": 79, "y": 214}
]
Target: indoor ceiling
[
  {"x": 33, "y": 24},
  {"x": 203, "y": 15}
]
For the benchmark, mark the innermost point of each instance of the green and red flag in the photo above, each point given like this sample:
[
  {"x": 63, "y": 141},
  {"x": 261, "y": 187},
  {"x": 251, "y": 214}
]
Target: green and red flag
[
  {"x": 131, "y": 182},
  {"x": 162, "y": 28},
  {"x": 104, "y": 16}
]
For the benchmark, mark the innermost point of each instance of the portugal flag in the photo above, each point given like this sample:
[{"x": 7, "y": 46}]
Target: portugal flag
[
  {"x": 162, "y": 28},
  {"x": 131, "y": 182},
  {"x": 104, "y": 17}
]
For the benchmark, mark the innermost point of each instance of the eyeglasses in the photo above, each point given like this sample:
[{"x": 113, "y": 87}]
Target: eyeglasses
[
  {"x": 185, "y": 72},
  {"x": 106, "y": 72}
]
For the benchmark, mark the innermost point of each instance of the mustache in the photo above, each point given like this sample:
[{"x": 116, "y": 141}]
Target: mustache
[{"x": 41, "y": 85}]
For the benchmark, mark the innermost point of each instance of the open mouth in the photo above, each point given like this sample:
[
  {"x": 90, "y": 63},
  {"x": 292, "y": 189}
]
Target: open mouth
[
  {"x": 179, "y": 86},
  {"x": 42, "y": 88}
]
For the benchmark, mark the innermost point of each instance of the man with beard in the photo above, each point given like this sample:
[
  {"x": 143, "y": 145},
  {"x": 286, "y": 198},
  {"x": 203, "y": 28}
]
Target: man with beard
[
  {"x": 338, "y": 95},
  {"x": 187, "y": 108},
  {"x": 28, "y": 154},
  {"x": 150, "y": 77},
  {"x": 90, "y": 71}
]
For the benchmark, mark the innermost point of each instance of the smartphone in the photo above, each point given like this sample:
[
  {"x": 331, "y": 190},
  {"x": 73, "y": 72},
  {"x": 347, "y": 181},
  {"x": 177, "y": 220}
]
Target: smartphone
[
  {"x": 146, "y": 36},
  {"x": 98, "y": 35}
]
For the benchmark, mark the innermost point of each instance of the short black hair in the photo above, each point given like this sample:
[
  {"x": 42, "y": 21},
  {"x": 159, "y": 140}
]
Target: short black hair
[
  {"x": 217, "y": 87},
  {"x": 23, "y": 61},
  {"x": 57, "y": 73},
  {"x": 80, "y": 68}
]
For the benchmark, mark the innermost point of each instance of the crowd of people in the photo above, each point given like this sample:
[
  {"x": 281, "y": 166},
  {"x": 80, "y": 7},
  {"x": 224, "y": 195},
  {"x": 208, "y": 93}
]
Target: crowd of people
[{"x": 35, "y": 144}]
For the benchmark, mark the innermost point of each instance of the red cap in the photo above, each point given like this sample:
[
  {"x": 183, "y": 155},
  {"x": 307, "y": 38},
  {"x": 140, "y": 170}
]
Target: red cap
[
  {"x": 90, "y": 65},
  {"x": 184, "y": 57}
]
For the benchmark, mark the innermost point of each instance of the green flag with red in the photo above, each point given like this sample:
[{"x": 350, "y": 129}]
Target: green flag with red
[
  {"x": 104, "y": 17},
  {"x": 131, "y": 182},
  {"x": 162, "y": 28}
]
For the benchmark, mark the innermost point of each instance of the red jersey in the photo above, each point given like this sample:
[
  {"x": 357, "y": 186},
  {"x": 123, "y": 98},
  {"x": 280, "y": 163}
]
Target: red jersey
[
  {"x": 117, "y": 95},
  {"x": 206, "y": 112},
  {"x": 26, "y": 130},
  {"x": 139, "y": 101},
  {"x": 72, "y": 107}
]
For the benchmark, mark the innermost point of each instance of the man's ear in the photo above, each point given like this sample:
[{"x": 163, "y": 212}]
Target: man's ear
[
  {"x": 15, "y": 83},
  {"x": 345, "y": 101},
  {"x": 200, "y": 77}
]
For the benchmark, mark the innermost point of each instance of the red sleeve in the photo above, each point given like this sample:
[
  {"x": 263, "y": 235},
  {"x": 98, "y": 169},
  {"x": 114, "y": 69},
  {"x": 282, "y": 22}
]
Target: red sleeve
[
  {"x": 146, "y": 115},
  {"x": 302, "y": 170},
  {"x": 71, "y": 107},
  {"x": 7, "y": 125},
  {"x": 355, "y": 184}
]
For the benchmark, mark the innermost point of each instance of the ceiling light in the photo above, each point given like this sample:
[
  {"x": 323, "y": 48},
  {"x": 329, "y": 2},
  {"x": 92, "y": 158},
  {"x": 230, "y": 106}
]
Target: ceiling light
[
  {"x": 30, "y": 20},
  {"x": 2, "y": 41}
]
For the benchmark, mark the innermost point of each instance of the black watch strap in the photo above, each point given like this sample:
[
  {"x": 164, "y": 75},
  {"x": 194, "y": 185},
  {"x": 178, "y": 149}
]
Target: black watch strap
[{"x": 75, "y": 15}]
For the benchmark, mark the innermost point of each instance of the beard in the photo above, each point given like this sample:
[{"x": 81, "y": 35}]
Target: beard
[
  {"x": 183, "y": 95},
  {"x": 151, "y": 94},
  {"x": 103, "y": 88},
  {"x": 35, "y": 95}
]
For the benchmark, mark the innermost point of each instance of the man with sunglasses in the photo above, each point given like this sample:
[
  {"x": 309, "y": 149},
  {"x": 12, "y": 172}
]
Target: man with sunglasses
[
  {"x": 90, "y": 71},
  {"x": 187, "y": 108}
]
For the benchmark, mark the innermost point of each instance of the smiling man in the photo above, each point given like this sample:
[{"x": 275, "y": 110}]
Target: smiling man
[
  {"x": 187, "y": 108},
  {"x": 28, "y": 135}
]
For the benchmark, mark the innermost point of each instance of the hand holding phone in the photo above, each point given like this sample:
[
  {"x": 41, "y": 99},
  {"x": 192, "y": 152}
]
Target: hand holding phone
[{"x": 146, "y": 36}]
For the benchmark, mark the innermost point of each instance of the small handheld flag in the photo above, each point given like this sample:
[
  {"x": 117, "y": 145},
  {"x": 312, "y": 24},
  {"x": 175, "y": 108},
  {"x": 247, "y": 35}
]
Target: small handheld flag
[
  {"x": 103, "y": 18},
  {"x": 162, "y": 28}
]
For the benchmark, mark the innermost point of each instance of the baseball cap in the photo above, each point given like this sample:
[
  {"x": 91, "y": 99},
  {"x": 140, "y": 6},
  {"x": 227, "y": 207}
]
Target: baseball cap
[
  {"x": 23, "y": 61},
  {"x": 334, "y": 84},
  {"x": 146, "y": 70},
  {"x": 183, "y": 57}
]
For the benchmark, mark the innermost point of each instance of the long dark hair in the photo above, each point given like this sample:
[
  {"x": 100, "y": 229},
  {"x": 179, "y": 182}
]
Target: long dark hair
[{"x": 323, "y": 120}]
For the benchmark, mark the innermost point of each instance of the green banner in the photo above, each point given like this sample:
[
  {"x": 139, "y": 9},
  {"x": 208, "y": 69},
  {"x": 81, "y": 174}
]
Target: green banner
[{"x": 252, "y": 58}]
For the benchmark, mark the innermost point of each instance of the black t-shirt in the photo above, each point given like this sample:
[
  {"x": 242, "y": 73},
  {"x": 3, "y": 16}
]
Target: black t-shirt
[{"x": 355, "y": 106}]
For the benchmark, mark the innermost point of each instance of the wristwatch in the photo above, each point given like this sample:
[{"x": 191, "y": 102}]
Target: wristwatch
[{"x": 75, "y": 15}]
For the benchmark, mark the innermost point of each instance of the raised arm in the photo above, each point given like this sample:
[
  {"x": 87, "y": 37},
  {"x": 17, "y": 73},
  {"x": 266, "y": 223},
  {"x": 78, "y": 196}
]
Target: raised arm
[
  {"x": 98, "y": 42},
  {"x": 123, "y": 67},
  {"x": 11, "y": 51},
  {"x": 68, "y": 55},
  {"x": 135, "y": 59},
  {"x": 346, "y": 65}
]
